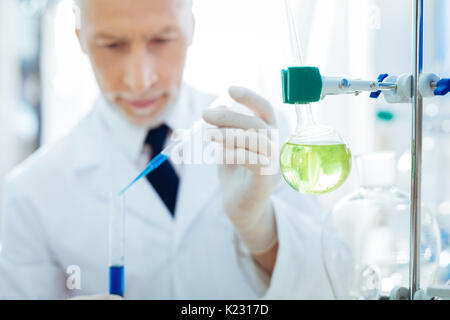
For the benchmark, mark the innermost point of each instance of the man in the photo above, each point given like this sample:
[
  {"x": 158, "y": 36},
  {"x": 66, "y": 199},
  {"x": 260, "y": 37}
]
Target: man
[{"x": 190, "y": 232}]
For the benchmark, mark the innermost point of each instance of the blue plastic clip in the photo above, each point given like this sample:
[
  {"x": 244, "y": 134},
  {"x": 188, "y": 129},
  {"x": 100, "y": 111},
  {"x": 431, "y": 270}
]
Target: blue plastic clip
[
  {"x": 443, "y": 87},
  {"x": 376, "y": 94}
]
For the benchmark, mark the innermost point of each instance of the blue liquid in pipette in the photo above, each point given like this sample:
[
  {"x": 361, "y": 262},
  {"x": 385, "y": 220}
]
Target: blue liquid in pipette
[
  {"x": 116, "y": 280},
  {"x": 155, "y": 163}
]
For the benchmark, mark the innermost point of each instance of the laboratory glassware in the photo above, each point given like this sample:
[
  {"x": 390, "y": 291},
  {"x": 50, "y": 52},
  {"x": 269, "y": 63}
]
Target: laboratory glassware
[
  {"x": 315, "y": 159},
  {"x": 178, "y": 141},
  {"x": 117, "y": 244},
  {"x": 365, "y": 239}
]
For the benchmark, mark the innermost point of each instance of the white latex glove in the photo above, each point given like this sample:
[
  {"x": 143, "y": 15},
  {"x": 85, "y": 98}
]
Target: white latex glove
[{"x": 246, "y": 191}]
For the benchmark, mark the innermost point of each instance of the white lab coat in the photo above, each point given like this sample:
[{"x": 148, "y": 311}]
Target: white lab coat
[{"x": 55, "y": 215}]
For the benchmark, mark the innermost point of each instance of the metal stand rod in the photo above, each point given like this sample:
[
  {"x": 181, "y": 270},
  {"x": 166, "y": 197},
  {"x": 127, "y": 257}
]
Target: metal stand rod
[{"x": 416, "y": 149}]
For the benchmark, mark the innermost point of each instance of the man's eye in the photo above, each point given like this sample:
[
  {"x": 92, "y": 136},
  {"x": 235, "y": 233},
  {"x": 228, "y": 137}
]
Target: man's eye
[
  {"x": 161, "y": 40},
  {"x": 115, "y": 45}
]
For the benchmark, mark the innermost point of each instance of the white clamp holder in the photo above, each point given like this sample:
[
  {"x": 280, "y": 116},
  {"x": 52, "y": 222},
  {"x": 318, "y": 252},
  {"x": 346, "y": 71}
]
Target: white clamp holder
[
  {"x": 403, "y": 92},
  {"x": 427, "y": 84},
  {"x": 307, "y": 85},
  {"x": 337, "y": 85},
  {"x": 396, "y": 89}
]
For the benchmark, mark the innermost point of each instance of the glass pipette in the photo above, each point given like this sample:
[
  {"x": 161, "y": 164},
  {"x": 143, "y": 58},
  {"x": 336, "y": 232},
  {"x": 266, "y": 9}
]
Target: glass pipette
[{"x": 176, "y": 143}]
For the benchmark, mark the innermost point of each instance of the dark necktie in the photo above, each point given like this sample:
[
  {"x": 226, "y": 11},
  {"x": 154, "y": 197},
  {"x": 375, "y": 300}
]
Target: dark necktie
[{"x": 164, "y": 179}]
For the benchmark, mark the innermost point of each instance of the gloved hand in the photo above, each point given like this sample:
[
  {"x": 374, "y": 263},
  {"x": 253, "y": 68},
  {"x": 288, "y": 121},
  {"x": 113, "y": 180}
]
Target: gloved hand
[{"x": 247, "y": 187}]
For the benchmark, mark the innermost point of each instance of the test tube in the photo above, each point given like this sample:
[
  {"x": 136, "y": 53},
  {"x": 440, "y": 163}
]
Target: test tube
[{"x": 116, "y": 244}]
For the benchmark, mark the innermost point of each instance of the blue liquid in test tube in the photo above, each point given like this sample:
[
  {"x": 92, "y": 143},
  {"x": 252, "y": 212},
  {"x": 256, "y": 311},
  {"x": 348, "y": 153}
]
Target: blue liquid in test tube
[
  {"x": 116, "y": 245},
  {"x": 117, "y": 280}
]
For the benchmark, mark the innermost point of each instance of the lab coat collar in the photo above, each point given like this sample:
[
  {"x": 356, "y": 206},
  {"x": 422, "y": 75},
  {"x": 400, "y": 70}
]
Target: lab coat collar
[{"x": 101, "y": 173}]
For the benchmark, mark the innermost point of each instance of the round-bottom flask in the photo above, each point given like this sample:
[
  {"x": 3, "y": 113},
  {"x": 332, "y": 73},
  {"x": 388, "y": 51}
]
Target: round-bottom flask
[
  {"x": 315, "y": 159},
  {"x": 365, "y": 239}
]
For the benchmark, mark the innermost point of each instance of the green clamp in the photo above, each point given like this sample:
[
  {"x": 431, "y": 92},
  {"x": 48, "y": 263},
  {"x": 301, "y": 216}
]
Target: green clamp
[{"x": 301, "y": 85}]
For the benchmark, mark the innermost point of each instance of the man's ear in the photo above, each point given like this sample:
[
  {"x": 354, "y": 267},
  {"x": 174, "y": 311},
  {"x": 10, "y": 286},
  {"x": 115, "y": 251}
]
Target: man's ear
[{"x": 80, "y": 40}]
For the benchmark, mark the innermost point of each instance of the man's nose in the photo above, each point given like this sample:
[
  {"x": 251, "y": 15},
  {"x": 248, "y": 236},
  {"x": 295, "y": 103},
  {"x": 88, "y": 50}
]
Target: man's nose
[{"x": 140, "y": 75}]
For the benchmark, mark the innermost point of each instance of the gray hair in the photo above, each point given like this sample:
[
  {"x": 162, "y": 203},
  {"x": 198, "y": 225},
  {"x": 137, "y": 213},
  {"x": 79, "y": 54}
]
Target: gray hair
[{"x": 77, "y": 10}]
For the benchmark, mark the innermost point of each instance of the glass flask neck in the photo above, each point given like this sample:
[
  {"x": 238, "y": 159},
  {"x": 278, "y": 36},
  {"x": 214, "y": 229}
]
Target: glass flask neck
[{"x": 304, "y": 116}]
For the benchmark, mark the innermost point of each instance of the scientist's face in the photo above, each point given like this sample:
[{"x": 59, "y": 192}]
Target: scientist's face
[{"x": 137, "y": 49}]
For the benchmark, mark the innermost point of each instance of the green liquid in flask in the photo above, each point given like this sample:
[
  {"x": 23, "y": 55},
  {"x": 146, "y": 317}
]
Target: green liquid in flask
[{"x": 315, "y": 168}]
